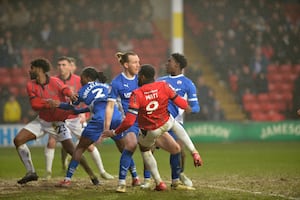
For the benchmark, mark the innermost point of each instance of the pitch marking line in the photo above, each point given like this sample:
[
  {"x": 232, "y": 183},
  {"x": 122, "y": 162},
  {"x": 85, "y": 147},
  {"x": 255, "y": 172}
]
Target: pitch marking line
[{"x": 252, "y": 192}]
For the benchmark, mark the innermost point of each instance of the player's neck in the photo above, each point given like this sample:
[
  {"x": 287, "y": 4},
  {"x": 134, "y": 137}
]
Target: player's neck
[
  {"x": 128, "y": 75},
  {"x": 65, "y": 76},
  {"x": 41, "y": 79}
]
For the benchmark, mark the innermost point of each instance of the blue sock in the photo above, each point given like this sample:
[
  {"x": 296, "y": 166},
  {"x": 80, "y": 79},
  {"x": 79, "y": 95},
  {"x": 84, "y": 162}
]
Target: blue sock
[
  {"x": 147, "y": 174},
  {"x": 175, "y": 165},
  {"x": 71, "y": 169},
  {"x": 125, "y": 163},
  {"x": 132, "y": 168}
]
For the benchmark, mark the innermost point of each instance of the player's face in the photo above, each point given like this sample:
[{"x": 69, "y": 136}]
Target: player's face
[
  {"x": 171, "y": 66},
  {"x": 73, "y": 67},
  {"x": 140, "y": 80},
  {"x": 64, "y": 67},
  {"x": 83, "y": 80},
  {"x": 33, "y": 72},
  {"x": 133, "y": 65}
]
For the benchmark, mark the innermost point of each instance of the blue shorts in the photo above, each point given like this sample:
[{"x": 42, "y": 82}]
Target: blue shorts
[
  {"x": 134, "y": 128},
  {"x": 93, "y": 130}
]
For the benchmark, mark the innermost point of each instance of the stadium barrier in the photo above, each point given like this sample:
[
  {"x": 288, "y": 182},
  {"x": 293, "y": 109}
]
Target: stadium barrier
[{"x": 200, "y": 132}]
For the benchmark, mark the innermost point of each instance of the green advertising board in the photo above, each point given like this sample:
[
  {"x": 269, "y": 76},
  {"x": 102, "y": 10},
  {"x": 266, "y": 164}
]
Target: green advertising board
[
  {"x": 201, "y": 132},
  {"x": 247, "y": 131}
]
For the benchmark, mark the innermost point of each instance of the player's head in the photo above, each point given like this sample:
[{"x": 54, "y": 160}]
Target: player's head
[
  {"x": 130, "y": 62},
  {"x": 146, "y": 74},
  {"x": 176, "y": 63},
  {"x": 39, "y": 65},
  {"x": 73, "y": 65},
  {"x": 64, "y": 66},
  {"x": 89, "y": 74}
]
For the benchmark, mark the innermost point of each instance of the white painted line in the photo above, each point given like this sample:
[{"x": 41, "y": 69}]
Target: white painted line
[{"x": 251, "y": 192}]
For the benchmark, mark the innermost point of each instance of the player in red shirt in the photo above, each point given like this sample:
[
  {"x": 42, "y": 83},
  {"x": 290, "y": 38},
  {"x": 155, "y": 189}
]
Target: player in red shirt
[
  {"x": 73, "y": 123},
  {"x": 149, "y": 103},
  {"x": 45, "y": 93}
]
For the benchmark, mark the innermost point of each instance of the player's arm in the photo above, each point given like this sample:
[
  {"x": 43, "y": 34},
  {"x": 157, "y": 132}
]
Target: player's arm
[
  {"x": 111, "y": 100},
  {"x": 127, "y": 122},
  {"x": 108, "y": 114},
  {"x": 38, "y": 103},
  {"x": 181, "y": 103},
  {"x": 129, "y": 119},
  {"x": 66, "y": 91},
  {"x": 192, "y": 98},
  {"x": 177, "y": 99}
]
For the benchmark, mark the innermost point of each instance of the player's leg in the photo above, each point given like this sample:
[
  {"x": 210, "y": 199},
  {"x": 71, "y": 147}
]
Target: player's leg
[
  {"x": 49, "y": 155},
  {"x": 184, "y": 179},
  {"x": 126, "y": 145},
  {"x": 24, "y": 153},
  {"x": 131, "y": 145},
  {"x": 64, "y": 136},
  {"x": 146, "y": 142},
  {"x": 95, "y": 154},
  {"x": 64, "y": 159},
  {"x": 76, "y": 159},
  {"x": 147, "y": 184},
  {"x": 69, "y": 148},
  {"x": 185, "y": 139}
]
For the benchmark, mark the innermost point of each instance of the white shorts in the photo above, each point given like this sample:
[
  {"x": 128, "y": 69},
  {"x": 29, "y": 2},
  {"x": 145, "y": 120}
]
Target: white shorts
[
  {"x": 148, "y": 138},
  {"x": 41, "y": 127},
  {"x": 74, "y": 126}
]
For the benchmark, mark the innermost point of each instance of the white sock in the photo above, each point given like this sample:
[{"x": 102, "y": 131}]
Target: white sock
[
  {"x": 49, "y": 155},
  {"x": 183, "y": 136},
  {"x": 151, "y": 164},
  {"x": 97, "y": 159},
  {"x": 122, "y": 182},
  {"x": 25, "y": 156}
]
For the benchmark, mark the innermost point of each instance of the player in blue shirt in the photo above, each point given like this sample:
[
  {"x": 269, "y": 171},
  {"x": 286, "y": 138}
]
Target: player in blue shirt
[
  {"x": 185, "y": 88},
  {"x": 94, "y": 93},
  {"x": 121, "y": 87}
]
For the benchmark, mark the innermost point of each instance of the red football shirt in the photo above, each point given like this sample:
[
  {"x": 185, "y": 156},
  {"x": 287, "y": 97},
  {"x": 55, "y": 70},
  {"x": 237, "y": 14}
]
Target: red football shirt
[
  {"x": 73, "y": 82},
  {"x": 52, "y": 89},
  {"x": 150, "y": 103}
]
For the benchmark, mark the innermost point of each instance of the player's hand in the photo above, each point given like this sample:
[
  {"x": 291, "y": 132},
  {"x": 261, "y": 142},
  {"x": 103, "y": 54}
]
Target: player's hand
[
  {"x": 197, "y": 159},
  {"x": 74, "y": 97},
  {"x": 53, "y": 103},
  {"x": 108, "y": 133},
  {"x": 82, "y": 118},
  {"x": 101, "y": 139}
]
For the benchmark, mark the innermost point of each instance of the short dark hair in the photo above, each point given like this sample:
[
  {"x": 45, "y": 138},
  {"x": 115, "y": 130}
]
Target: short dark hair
[
  {"x": 147, "y": 71},
  {"x": 64, "y": 58},
  {"x": 179, "y": 58},
  {"x": 41, "y": 63}
]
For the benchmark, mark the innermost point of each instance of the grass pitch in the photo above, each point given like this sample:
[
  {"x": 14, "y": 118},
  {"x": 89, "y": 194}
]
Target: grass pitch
[{"x": 266, "y": 170}]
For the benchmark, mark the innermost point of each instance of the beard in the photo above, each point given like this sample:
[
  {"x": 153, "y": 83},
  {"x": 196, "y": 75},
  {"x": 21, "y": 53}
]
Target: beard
[{"x": 32, "y": 75}]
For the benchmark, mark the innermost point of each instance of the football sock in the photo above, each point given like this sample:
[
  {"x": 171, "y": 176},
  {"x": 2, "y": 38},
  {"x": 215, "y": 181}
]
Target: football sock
[
  {"x": 95, "y": 154},
  {"x": 175, "y": 165},
  {"x": 71, "y": 169},
  {"x": 147, "y": 174},
  {"x": 132, "y": 168},
  {"x": 25, "y": 156},
  {"x": 49, "y": 156},
  {"x": 125, "y": 162},
  {"x": 151, "y": 164}
]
